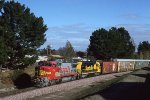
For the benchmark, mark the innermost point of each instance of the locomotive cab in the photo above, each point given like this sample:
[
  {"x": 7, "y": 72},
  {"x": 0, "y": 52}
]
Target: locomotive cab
[{"x": 47, "y": 73}]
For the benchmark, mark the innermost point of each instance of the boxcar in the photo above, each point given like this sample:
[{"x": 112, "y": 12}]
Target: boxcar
[
  {"x": 109, "y": 67},
  {"x": 131, "y": 64},
  {"x": 125, "y": 66},
  {"x": 141, "y": 64}
]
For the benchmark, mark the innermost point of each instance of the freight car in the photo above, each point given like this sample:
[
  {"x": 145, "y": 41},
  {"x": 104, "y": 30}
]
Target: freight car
[
  {"x": 109, "y": 67},
  {"x": 131, "y": 64}
]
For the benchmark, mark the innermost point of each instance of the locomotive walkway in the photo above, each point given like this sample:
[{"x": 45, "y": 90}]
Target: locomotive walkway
[{"x": 135, "y": 86}]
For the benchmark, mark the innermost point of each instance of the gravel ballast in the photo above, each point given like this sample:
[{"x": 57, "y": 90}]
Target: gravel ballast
[{"x": 62, "y": 87}]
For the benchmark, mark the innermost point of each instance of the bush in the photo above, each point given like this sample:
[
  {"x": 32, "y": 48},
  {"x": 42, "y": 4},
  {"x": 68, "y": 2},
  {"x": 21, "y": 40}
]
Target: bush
[
  {"x": 17, "y": 78},
  {"x": 5, "y": 78},
  {"x": 21, "y": 79},
  {"x": 15, "y": 74},
  {"x": 30, "y": 70}
]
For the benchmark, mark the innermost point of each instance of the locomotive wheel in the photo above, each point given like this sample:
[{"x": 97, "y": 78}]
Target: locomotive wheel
[
  {"x": 52, "y": 82},
  {"x": 58, "y": 81},
  {"x": 46, "y": 81},
  {"x": 78, "y": 76},
  {"x": 43, "y": 82},
  {"x": 41, "y": 85},
  {"x": 72, "y": 78}
]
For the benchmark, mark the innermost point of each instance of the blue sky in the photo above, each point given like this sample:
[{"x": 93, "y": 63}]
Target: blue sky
[{"x": 75, "y": 20}]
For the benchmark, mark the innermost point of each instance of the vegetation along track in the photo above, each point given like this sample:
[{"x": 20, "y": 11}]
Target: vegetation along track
[
  {"x": 16, "y": 91},
  {"x": 62, "y": 87}
]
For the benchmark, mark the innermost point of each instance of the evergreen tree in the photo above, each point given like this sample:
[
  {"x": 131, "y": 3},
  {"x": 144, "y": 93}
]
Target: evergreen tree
[
  {"x": 115, "y": 43},
  {"x": 21, "y": 32},
  {"x": 81, "y": 54},
  {"x": 68, "y": 51},
  {"x": 144, "y": 49}
]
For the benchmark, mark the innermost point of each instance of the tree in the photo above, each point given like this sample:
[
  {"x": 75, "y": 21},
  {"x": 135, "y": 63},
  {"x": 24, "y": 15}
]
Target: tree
[
  {"x": 144, "y": 49},
  {"x": 21, "y": 32},
  {"x": 68, "y": 51},
  {"x": 42, "y": 52},
  {"x": 81, "y": 54},
  {"x": 3, "y": 54},
  {"x": 48, "y": 49},
  {"x": 114, "y": 43}
]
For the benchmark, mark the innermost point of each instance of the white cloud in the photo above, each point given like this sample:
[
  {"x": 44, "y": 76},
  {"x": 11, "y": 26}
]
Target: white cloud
[
  {"x": 131, "y": 16},
  {"x": 134, "y": 16},
  {"x": 77, "y": 34}
]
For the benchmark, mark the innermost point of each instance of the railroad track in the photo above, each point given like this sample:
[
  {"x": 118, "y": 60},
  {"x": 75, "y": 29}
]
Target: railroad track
[{"x": 33, "y": 92}]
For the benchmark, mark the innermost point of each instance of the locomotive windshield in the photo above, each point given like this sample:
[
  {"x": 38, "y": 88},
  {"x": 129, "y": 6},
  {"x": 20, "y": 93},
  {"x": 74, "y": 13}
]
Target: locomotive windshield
[
  {"x": 48, "y": 64},
  {"x": 87, "y": 63}
]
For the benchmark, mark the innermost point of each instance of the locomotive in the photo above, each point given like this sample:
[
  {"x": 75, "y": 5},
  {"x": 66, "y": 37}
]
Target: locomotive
[
  {"x": 51, "y": 72},
  {"x": 88, "y": 68}
]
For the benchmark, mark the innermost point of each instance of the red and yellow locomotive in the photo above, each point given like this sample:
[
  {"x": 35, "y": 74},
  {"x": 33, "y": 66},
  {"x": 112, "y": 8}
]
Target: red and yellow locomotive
[{"x": 50, "y": 72}]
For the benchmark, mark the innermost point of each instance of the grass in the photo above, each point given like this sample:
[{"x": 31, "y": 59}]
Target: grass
[
  {"x": 7, "y": 77},
  {"x": 6, "y": 81}
]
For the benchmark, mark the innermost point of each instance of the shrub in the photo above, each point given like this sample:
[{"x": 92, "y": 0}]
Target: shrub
[
  {"x": 15, "y": 74},
  {"x": 21, "y": 79},
  {"x": 6, "y": 80}
]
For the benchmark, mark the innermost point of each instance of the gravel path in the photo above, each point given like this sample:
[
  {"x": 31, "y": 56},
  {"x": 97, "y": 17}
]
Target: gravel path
[{"x": 62, "y": 87}]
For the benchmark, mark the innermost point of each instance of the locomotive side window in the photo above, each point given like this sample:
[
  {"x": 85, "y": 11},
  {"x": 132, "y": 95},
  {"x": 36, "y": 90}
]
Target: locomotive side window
[{"x": 41, "y": 63}]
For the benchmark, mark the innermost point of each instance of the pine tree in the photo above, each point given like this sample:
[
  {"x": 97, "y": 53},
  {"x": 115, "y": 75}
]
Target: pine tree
[
  {"x": 114, "y": 43},
  {"x": 23, "y": 33},
  {"x": 68, "y": 51},
  {"x": 144, "y": 48}
]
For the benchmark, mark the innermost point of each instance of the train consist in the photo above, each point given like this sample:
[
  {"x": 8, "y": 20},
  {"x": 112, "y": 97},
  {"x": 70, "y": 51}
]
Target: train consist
[{"x": 51, "y": 72}]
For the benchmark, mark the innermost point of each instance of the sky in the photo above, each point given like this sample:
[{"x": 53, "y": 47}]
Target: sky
[{"x": 75, "y": 20}]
